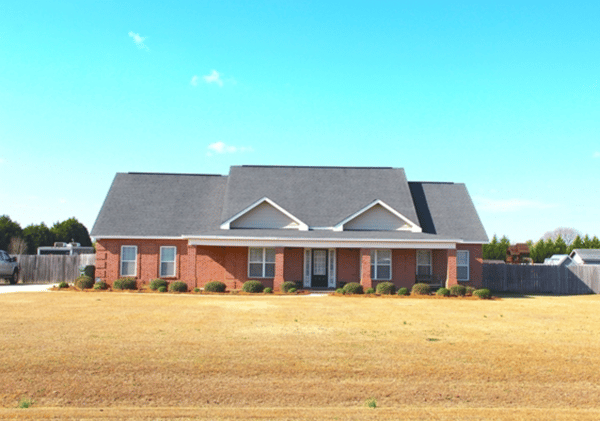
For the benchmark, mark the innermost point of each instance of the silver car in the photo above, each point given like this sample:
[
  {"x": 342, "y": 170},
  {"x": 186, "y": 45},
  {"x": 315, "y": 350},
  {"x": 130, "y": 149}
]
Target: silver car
[{"x": 9, "y": 268}]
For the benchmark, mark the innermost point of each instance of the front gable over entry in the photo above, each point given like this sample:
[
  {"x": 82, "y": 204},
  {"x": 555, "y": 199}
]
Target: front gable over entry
[
  {"x": 264, "y": 214},
  {"x": 377, "y": 216}
]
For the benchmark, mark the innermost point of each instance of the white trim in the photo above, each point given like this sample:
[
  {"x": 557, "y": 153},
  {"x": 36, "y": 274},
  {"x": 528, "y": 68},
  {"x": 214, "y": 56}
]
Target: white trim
[
  {"x": 263, "y": 262},
  {"x": 468, "y": 266},
  {"x": 137, "y": 237},
  {"x": 161, "y": 262},
  {"x": 332, "y": 262},
  {"x": 227, "y": 224},
  {"x": 413, "y": 227},
  {"x": 374, "y": 264},
  {"x": 430, "y": 265},
  {"x": 121, "y": 262},
  {"x": 307, "y": 268}
]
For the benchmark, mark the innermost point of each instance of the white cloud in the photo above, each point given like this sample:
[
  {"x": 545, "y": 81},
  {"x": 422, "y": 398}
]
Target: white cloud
[
  {"x": 214, "y": 77},
  {"x": 138, "y": 40},
  {"x": 194, "y": 81},
  {"x": 596, "y": 155},
  {"x": 509, "y": 205},
  {"x": 222, "y": 148}
]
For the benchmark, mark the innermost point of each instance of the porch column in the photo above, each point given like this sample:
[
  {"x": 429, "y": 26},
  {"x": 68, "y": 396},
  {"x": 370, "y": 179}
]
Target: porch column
[
  {"x": 365, "y": 269},
  {"x": 189, "y": 272},
  {"x": 278, "y": 280},
  {"x": 451, "y": 269}
]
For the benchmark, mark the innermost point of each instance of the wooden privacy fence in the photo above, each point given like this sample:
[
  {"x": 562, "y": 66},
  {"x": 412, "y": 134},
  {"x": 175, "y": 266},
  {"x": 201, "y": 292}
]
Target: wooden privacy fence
[
  {"x": 542, "y": 279},
  {"x": 52, "y": 268}
]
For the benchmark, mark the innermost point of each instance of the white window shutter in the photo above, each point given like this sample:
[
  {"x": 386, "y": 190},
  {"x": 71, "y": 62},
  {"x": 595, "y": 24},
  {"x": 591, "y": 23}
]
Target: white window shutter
[{"x": 307, "y": 268}]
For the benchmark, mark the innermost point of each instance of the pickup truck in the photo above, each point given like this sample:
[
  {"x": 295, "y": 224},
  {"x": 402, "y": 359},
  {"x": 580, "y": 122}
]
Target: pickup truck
[{"x": 9, "y": 268}]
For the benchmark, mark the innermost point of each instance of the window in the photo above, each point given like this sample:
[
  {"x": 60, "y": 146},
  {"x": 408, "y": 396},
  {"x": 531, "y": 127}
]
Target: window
[
  {"x": 167, "y": 261},
  {"x": 462, "y": 265},
  {"x": 381, "y": 265},
  {"x": 424, "y": 262},
  {"x": 261, "y": 262},
  {"x": 128, "y": 260}
]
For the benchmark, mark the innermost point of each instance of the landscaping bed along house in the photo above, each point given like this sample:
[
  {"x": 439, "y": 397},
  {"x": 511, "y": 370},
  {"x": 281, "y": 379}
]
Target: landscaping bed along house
[{"x": 383, "y": 289}]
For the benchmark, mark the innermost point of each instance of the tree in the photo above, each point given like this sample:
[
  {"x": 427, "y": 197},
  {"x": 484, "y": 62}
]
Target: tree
[
  {"x": 537, "y": 251},
  {"x": 595, "y": 243},
  {"x": 17, "y": 246},
  {"x": 496, "y": 250},
  {"x": 36, "y": 236},
  {"x": 8, "y": 230},
  {"x": 568, "y": 234},
  {"x": 71, "y": 230},
  {"x": 560, "y": 247},
  {"x": 576, "y": 244}
]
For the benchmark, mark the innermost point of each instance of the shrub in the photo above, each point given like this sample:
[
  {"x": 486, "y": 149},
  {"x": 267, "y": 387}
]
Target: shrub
[
  {"x": 353, "y": 288},
  {"x": 63, "y": 284},
  {"x": 162, "y": 288},
  {"x": 482, "y": 293},
  {"x": 444, "y": 292},
  {"x": 371, "y": 403},
  {"x": 268, "y": 290},
  {"x": 470, "y": 290},
  {"x": 215, "y": 286},
  {"x": 420, "y": 289},
  {"x": 125, "y": 283},
  {"x": 25, "y": 403},
  {"x": 196, "y": 289},
  {"x": 370, "y": 291},
  {"x": 287, "y": 285},
  {"x": 90, "y": 270},
  {"x": 155, "y": 284},
  {"x": 386, "y": 288},
  {"x": 458, "y": 290},
  {"x": 292, "y": 290},
  {"x": 253, "y": 286},
  {"x": 178, "y": 286},
  {"x": 339, "y": 291},
  {"x": 84, "y": 282},
  {"x": 100, "y": 285},
  {"x": 403, "y": 291}
]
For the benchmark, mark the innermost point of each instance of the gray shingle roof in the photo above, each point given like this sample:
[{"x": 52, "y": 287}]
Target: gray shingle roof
[
  {"x": 171, "y": 205},
  {"x": 589, "y": 256}
]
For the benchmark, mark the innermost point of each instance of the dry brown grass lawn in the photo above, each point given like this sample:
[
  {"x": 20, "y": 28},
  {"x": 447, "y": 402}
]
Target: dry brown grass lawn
[{"x": 149, "y": 356}]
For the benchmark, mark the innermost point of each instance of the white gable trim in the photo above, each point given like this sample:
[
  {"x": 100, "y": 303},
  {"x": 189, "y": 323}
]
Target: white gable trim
[
  {"x": 413, "y": 227},
  {"x": 227, "y": 224}
]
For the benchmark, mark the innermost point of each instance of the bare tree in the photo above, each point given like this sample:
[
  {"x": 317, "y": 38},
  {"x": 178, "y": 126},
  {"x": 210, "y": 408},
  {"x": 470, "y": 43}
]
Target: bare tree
[
  {"x": 567, "y": 234},
  {"x": 17, "y": 246}
]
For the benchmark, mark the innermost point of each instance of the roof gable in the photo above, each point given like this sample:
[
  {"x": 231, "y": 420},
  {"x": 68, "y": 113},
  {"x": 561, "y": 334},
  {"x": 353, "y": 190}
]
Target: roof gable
[
  {"x": 377, "y": 216},
  {"x": 264, "y": 214}
]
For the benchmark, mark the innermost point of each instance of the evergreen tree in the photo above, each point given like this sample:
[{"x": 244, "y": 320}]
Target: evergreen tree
[
  {"x": 560, "y": 247},
  {"x": 489, "y": 250},
  {"x": 537, "y": 251},
  {"x": 595, "y": 243},
  {"x": 576, "y": 244},
  {"x": 37, "y": 236},
  {"x": 587, "y": 243},
  {"x": 71, "y": 230},
  {"x": 8, "y": 230},
  {"x": 503, "y": 247}
]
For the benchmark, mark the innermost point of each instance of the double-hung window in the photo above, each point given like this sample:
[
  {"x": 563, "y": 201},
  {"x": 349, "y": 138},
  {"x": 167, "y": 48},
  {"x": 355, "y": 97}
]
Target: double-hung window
[
  {"x": 462, "y": 265},
  {"x": 167, "y": 261},
  {"x": 261, "y": 262},
  {"x": 424, "y": 262},
  {"x": 381, "y": 265},
  {"x": 128, "y": 260}
]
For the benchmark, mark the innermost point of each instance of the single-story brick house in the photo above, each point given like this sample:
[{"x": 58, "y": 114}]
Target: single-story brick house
[{"x": 321, "y": 226}]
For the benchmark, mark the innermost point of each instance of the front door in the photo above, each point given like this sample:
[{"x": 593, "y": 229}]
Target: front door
[{"x": 319, "y": 268}]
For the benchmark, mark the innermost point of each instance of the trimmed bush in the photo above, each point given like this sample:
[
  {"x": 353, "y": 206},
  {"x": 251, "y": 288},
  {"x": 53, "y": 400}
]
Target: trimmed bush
[
  {"x": 421, "y": 289},
  {"x": 268, "y": 290},
  {"x": 403, "y": 291},
  {"x": 386, "y": 288},
  {"x": 458, "y": 290},
  {"x": 292, "y": 290},
  {"x": 483, "y": 293},
  {"x": 155, "y": 284},
  {"x": 162, "y": 288},
  {"x": 215, "y": 286},
  {"x": 470, "y": 290},
  {"x": 287, "y": 285},
  {"x": 125, "y": 283},
  {"x": 90, "y": 270},
  {"x": 353, "y": 288},
  {"x": 100, "y": 285},
  {"x": 196, "y": 289},
  {"x": 339, "y": 291},
  {"x": 253, "y": 287},
  {"x": 63, "y": 284},
  {"x": 370, "y": 291},
  {"x": 84, "y": 282},
  {"x": 178, "y": 286},
  {"x": 444, "y": 292}
]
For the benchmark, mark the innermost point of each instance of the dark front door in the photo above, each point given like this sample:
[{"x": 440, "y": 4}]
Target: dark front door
[{"x": 319, "y": 268}]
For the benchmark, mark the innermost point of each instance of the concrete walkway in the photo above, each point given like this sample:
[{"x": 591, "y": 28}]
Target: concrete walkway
[{"x": 5, "y": 288}]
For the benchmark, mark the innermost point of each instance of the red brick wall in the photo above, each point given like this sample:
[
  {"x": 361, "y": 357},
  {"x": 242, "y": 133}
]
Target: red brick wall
[
  {"x": 348, "y": 265},
  {"x": 294, "y": 265},
  {"x": 475, "y": 263}
]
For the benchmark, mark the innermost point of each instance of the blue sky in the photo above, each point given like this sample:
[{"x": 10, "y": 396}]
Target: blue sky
[{"x": 503, "y": 98}]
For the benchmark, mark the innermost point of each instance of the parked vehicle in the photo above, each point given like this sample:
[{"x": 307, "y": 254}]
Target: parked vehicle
[{"x": 9, "y": 268}]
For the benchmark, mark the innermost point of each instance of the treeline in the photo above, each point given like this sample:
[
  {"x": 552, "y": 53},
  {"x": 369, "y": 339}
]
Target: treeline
[
  {"x": 17, "y": 240},
  {"x": 542, "y": 249}
]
